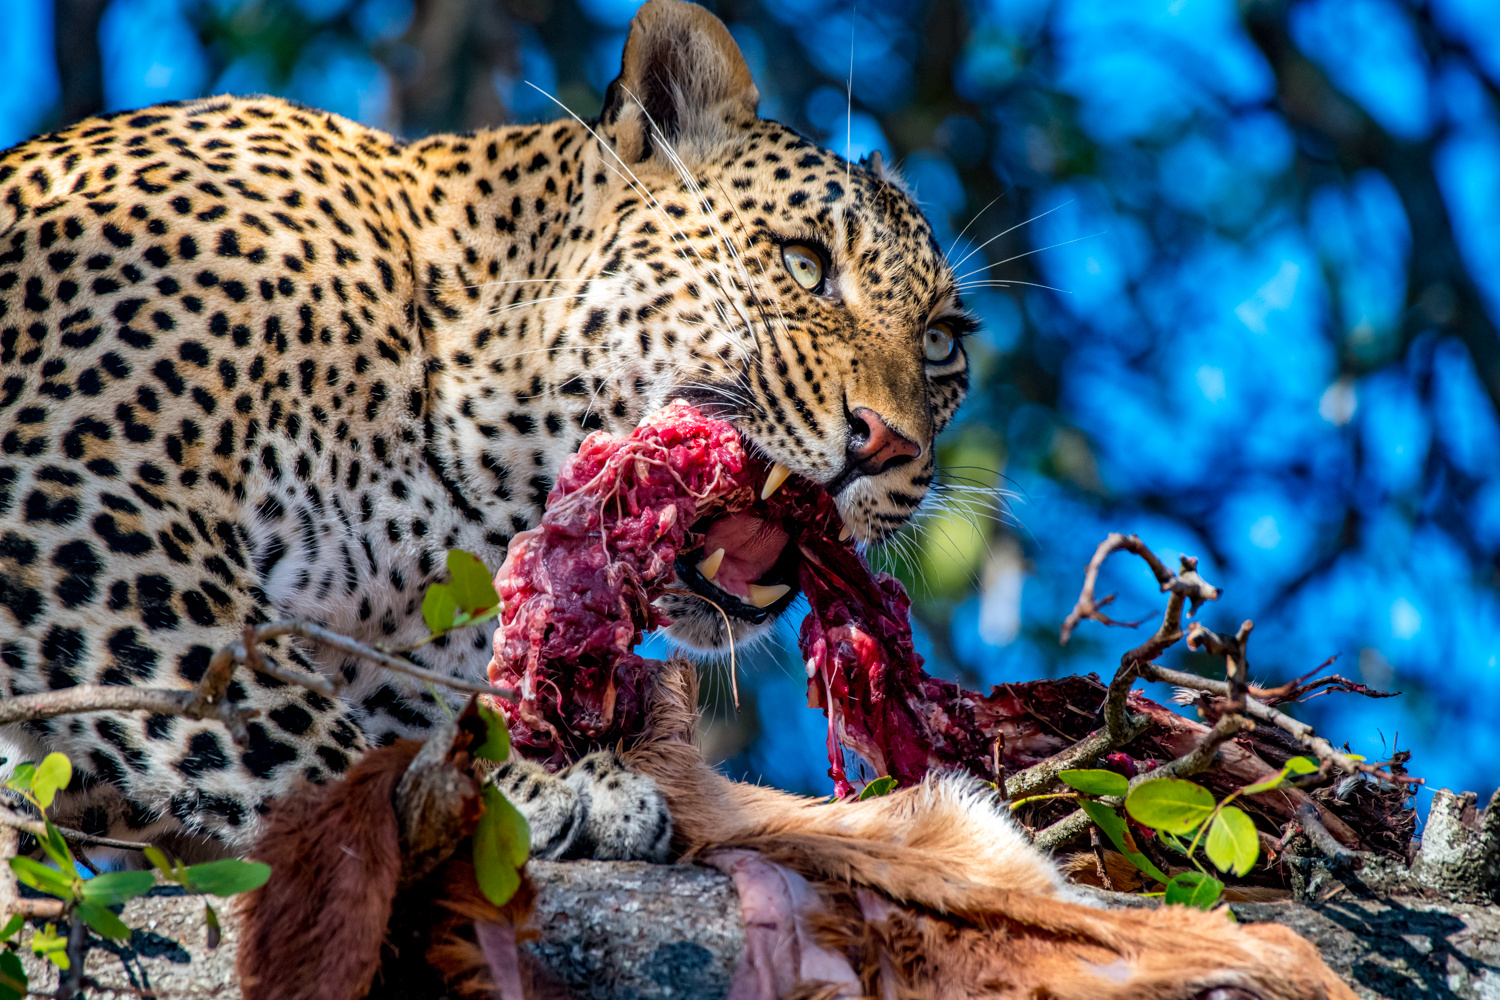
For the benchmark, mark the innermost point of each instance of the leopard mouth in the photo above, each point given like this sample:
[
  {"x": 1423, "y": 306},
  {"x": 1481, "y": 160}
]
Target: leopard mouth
[
  {"x": 746, "y": 566},
  {"x": 745, "y": 559}
]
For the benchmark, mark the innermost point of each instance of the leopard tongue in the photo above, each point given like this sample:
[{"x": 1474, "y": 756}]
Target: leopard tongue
[{"x": 751, "y": 545}]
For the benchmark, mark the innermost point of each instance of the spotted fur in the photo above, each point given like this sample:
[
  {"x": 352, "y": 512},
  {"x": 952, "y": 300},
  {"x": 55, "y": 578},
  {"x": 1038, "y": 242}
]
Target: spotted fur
[{"x": 257, "y": 360}]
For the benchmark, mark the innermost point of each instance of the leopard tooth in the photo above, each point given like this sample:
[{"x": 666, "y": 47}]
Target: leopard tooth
[
  {"x": 774, "y": 480},
  {"x": 709, "y": 567},
  {"x": 846, "y": 533},
  {"x": 762, "y": 597}
]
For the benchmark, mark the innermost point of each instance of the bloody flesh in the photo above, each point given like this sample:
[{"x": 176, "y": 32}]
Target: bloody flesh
[{"x": 577, "y": 591}]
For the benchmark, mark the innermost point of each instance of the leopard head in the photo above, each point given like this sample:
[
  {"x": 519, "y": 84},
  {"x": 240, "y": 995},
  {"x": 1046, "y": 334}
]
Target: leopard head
[{"x": 775, "y": 284}]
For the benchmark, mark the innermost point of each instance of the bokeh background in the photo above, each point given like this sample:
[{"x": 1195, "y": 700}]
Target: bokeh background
[{"x": 1238, "y": 263}]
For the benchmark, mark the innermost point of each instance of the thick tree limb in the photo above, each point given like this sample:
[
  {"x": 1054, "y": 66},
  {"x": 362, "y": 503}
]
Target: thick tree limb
[{"x": 611, "y": 931}]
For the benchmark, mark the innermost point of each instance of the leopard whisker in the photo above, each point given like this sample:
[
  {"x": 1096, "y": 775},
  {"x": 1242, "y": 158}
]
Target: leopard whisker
[
  {"x": 1007, "y": 283},
  {"x": 957, "y": 239},
  {"x": 1040, "y": 215},
  {"x": 1028, "y": 253}
]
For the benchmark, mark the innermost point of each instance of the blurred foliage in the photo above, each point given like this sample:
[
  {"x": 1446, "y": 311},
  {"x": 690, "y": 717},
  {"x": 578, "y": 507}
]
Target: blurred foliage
[{"x": 1237, "y": 264}]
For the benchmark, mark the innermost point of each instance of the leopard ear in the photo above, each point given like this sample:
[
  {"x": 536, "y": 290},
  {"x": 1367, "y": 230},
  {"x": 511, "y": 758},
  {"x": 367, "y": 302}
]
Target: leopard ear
[{"x": 682, "y": 80}]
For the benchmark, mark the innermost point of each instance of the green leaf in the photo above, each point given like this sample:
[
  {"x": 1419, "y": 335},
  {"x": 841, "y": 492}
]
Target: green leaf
[
  {"x": 1170, "y": 804},
  {"x": 496, "y": 745},
  {"x": 53, "y": 946},
  {"x": 212, "y": 931},
  {"x": 439, "y": 608},
  {"x": 52, "y": 775},
  {"x": 1300, "y": 765},
  {"x": 20, "y": 779},
  {"x": 1270, "y": 784},
  {"x": 225, "y": 878},
  {"x": 14, "y": 985},
  {"x": 1194, "y": 889},
  {"x": 102, "y": 920},
  {"x": 1113, "y": 825},
  {"x": 1232, "y": 844},
  {"x": 158, "y": 859},
  {"x": 884, "y": 785},
  {"x": 473, "y": 586},
  {"x": 42, "y": 878},
  {"x": 112, "y": 888},
  {"x": 222, "y": 878},
  {"x": 1297, "y": 765},
  {"x": 1095, "y": 781},
  {"x": 12, "y": 925},
  {"x": 57, "y": 849},
  {"x": 502, "y": 840}
]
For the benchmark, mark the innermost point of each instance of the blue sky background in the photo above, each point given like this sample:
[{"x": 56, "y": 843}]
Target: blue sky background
[{"x": 1232, "y": 358}]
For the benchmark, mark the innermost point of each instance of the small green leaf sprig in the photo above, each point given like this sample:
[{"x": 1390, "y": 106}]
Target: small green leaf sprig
[
  {"x": 502, "y": 840},
  {"x": 1184, "y": 815},
  {"x": 468, "y": 598},
  {"x": 91, "y": 899}
]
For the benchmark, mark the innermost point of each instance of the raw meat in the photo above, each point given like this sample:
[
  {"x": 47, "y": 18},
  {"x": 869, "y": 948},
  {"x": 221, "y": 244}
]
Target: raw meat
[{"x": 577, "y": 593}]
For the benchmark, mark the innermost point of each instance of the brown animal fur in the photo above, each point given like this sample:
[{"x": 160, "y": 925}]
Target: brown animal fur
[
  {"x": 327, "y": 926},
  {"x": 981, "y": 913},
  {"x": 314, "y": 930}
]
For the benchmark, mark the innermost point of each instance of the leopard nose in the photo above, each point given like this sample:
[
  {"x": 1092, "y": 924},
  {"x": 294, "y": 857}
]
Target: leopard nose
[{"x": 874, "y": 445}]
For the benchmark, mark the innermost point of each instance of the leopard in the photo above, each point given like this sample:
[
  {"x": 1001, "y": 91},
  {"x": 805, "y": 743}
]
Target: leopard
[{"x": 261, "y": 362}]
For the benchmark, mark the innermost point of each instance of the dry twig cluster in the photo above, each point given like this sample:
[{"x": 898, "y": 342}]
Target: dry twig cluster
[{"x": 1246, "y": 739}]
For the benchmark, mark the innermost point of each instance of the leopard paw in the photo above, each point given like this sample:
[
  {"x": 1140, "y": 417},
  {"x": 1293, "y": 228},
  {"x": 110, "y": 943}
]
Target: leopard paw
[
  {"x": 625, "y": 815},
  {"x": 553, "y": 808}
]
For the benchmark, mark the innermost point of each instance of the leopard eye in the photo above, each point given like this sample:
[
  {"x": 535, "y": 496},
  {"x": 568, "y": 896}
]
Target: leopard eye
[
  {"x": 941, "y": 344},
  {"x": 804, "y": 265}
]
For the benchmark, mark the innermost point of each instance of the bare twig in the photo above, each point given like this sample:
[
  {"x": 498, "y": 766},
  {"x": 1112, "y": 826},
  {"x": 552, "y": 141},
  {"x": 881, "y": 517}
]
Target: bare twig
[
  {"x": 207, "y": 699},
  {"x": 1239, "y": 700},
  {"x": 70, "y": 980},
  {"x": 1312, "y": 825},
  {"x": 108, "y": 698},
  {"x": 1294, "y": 691},
  {"x": 37, "y": 828},
  {"x": 1200, "y": 757},
  {"x": 327, "y": 637},
  {"x": 1262, "y": 712},
  {"x": 1119, "y": 726},
  {"x": 1187, "y": 584},
  {"x": 998, "y": 764},
  {"x": 1236, "y": 663},
  {"x": 1100, "y": 869}
]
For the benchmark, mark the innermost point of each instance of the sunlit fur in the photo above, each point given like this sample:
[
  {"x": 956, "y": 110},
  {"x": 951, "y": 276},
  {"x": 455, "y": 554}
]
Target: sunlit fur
[{"x": 938, "y": 895}]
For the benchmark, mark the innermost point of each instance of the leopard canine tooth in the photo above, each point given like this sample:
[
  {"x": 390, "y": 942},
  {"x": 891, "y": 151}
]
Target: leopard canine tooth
[
  {"x": 709, "y": 567},
  {"x": 846, "y": 533},
  {"x": 774, "y": 480},
  {"x": 761, "y": 597}
]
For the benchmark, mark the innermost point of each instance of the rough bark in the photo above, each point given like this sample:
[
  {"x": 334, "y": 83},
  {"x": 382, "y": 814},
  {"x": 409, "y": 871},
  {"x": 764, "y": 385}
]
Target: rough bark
[{"x": 615, "y": 930}]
